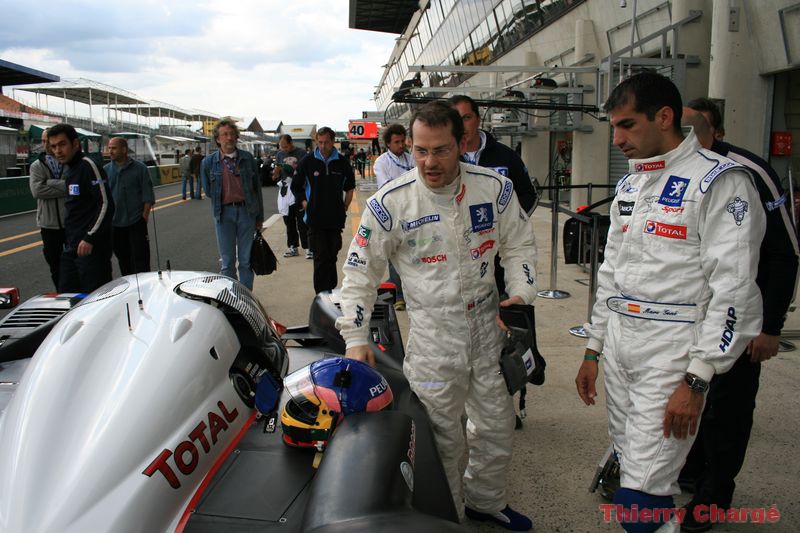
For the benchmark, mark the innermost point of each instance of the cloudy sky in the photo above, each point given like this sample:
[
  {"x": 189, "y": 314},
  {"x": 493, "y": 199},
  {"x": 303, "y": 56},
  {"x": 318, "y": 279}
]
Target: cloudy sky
[{"x": 291, "y": 60}]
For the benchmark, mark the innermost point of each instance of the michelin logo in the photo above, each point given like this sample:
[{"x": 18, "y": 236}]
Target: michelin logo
[
  {"x": 737, "y": 208},
  {"x": 414, "y": 224}
]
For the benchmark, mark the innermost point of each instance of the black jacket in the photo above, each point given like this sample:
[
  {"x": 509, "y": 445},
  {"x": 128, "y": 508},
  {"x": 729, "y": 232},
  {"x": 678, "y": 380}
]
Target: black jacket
[
  {"x": 89, "y": 206},
  {"x": 777, "y": 266},
  {"x": 505, "y": 161},
  {"x": 323, "y": 185}
]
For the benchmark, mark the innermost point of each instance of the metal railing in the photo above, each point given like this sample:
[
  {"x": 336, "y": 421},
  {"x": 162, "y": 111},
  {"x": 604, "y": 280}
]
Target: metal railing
[{"x": 592, "y": 219}]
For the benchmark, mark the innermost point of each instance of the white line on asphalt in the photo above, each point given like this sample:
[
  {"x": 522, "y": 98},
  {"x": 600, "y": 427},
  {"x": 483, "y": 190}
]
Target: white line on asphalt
[{"x": 271, "y": 220}]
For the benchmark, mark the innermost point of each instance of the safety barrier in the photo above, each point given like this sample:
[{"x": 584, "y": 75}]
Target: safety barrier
[
  {"x": 16, "y": 197},
  {"x": 593, "y": 220}
]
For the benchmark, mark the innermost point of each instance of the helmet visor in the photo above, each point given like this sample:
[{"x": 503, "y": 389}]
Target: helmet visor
[{"x": 301, "y": 389}]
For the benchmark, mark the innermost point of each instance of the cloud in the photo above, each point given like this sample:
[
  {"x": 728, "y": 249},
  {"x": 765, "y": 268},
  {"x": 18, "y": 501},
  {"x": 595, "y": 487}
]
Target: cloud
[{"x": 294, "y": 61}]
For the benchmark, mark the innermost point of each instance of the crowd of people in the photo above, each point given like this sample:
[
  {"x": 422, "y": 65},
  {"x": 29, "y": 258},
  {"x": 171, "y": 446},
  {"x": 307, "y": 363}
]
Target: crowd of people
[{"x": 699, "y": 268}]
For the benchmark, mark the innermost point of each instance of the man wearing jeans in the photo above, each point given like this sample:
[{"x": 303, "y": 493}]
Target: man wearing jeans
[{"x": 230, "y": 178}]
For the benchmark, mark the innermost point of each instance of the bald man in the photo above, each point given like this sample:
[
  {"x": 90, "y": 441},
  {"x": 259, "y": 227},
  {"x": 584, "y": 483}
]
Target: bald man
[
  {"x": 719, "y": 450},
  {"x": 133, "y": 196}
]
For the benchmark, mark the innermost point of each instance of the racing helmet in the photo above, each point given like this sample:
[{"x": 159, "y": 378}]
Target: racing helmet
[{"x": 323, "y": 393}]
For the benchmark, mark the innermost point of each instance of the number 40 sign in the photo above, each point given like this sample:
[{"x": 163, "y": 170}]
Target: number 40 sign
[{"x": 362, "y": 130}]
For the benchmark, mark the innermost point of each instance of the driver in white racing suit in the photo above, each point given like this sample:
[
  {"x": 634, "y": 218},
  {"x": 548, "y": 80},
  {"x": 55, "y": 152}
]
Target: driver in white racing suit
[
  {"x": 441, "y": 224},
  {"x": 676, "y": 300}
]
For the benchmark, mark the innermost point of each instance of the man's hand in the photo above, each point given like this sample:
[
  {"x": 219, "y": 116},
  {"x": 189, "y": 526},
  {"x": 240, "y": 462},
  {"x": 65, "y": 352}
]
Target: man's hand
[
  {"x": 84, "y": 248},
  {"x": 585, "y": 382},
  {"x": 361, "y": 353},
  {"x": 305, "y": 205},
  {"x": 259, "y": 224},
  {"x": 276, "y": 173},
  {"x": 683, "y": 412},
  {"x": 514, "y": 300},
  {"x": 764, "y": 347}
]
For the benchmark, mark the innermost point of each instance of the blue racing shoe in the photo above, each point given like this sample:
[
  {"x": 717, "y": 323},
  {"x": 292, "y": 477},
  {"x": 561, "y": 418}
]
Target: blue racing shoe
[{"x": 507, "y": 518}]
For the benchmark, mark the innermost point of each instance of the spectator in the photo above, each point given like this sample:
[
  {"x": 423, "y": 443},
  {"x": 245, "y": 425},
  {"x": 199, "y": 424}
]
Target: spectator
[
  {"x": 451, "y": 211},
  {"x": 132, "y": 191},
  {"x": 361, "y": 161},
  {"x": 186, "y": 173},
  {"x": 230, "y": 178},
  {"x": 390, "y": 165},
  {"x": 265, "y": 171},
  {"x": 197, "y": 159},
  {"x": 718, "y": 452},
  {"x": 676, "y": 300},
  {"x": 288, "y": 158},
  {"x": 324, "y": 184},
  {"x": 86, "y": 259},
  {"x": 49, "y": 189}
]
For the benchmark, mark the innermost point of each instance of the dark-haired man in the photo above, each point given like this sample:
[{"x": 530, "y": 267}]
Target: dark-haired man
[
  {"x": 194, "y": 165},
  {"x": 676, "y": 300},
  {"x": 86, "y": 260},
  {"x": 287, "y": 159},
  {"x": 441, "y": 225},
  {"x": 323, "y": 184},
  {"x": 230, "y": 178},
  {"x": 390, "y": 165}
]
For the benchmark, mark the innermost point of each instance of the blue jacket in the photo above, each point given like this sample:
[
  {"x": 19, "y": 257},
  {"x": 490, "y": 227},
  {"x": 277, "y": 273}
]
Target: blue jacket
[
  {"x": 322, "y": 183},
  {"x": 211, "y": 175}
]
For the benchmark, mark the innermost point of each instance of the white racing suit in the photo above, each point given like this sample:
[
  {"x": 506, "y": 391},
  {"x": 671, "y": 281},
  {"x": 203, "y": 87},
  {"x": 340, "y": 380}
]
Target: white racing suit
[
  {"x": 443, "y": 246},
  {"x": 676, "y": 293}
]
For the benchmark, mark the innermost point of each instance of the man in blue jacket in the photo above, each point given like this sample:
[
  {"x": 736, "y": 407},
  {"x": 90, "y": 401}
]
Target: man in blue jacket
[
  {"x": 230, "y": 178},
  {"x": 324, "y": 184}
]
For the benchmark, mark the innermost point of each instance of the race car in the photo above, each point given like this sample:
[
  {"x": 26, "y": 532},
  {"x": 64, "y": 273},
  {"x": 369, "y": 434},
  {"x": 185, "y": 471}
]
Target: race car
[{"x": 151, "y": 405}]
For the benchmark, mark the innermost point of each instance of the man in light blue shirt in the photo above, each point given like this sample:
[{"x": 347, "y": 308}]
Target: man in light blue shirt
[{"x": 133, "y": 195}]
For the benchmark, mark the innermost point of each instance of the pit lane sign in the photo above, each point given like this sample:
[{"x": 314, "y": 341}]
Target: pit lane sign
[{"x": 362, "y": 130}]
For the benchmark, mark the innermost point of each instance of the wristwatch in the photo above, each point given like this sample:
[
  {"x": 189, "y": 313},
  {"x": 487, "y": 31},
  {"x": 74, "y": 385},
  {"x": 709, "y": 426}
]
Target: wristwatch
[{"x": 696, "y": 383}]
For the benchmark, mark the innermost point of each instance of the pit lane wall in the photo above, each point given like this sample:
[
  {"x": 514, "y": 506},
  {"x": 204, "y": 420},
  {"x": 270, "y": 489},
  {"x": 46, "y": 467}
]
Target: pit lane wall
[{"x": 15, "y": 193}]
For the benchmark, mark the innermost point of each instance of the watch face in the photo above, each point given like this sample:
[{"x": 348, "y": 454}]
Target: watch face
[{"x": 695, "y": 383}]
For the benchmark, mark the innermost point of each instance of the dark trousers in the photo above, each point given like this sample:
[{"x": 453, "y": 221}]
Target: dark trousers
[
  {"x": 132, "y": 248},
  {"x": 52, "y": 247},
  {"x": 295, "y": 226},
  {"x": 326, "y": 244},
  {"x": 85, "y": 274},
  {"x": 199, "y": 187},
  {"x": 719, "y": 450}
]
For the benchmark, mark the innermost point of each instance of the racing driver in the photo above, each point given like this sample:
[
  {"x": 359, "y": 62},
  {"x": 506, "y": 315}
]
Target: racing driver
[
  {"x": 441, "y": 225},
  {"x": 676, "y": 300}
]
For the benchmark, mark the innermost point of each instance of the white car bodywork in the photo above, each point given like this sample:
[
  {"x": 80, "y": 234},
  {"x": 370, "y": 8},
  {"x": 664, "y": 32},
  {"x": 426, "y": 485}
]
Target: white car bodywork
[{"x": 125, "y": 411}]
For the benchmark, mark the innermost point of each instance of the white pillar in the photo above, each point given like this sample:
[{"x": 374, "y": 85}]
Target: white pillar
[
  {"x": 695, "y": 39},
  {"x": 536, "y": 148},
  {"x": 734, "y": 77},
  {"x": 589, "y": 149}
]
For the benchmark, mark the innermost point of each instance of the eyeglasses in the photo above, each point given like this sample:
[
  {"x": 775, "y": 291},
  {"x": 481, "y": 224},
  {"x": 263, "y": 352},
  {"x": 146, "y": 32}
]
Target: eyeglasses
[{"x": 438, "y": 153}]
